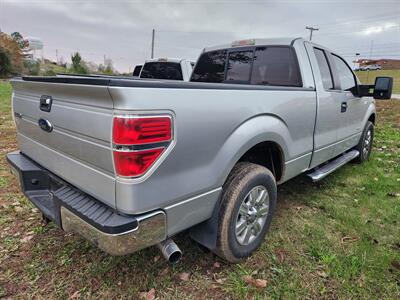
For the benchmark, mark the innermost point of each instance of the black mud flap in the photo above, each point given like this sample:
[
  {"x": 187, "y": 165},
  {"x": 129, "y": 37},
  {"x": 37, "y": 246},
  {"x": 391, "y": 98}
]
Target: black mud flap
[{"x": 206, "y": 233}]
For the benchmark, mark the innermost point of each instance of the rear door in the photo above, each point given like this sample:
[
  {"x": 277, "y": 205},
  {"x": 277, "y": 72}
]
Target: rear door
[{"x": 328, "y": 111}]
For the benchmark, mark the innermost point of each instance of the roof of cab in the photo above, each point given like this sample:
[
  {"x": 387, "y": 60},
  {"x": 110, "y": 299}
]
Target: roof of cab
[
  {"x": 166, "y": 59},
  {"x": 255, "y": 42}
]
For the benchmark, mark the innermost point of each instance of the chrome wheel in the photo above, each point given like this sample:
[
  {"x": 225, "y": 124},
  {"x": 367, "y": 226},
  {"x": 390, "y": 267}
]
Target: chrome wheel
[
  {"x": 252, "y": 215},
  {"x": 367, "y": 143}
]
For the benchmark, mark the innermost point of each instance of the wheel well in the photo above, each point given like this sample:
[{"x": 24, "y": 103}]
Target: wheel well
[
  {"x": 267, "y": 154},
  {"x": 372, "y": 118}
]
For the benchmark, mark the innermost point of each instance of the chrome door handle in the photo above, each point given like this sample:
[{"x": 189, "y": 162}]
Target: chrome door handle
[{"x": 343, "y": 107}]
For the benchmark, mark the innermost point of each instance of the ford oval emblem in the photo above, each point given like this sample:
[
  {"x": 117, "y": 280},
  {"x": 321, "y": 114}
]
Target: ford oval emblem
[{"x": 45, "y": 125}]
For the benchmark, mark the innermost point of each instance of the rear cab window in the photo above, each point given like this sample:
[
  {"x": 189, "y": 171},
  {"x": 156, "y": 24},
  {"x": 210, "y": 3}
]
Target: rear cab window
[
  {"x": 162, "y": 70},
  {"x": 259, "y": 65},
  {"x": 239, "y": 66}
]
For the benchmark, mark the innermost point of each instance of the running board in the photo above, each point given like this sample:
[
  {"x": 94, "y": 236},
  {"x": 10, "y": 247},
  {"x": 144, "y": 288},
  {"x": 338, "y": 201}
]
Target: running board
[{"x": 321, "y": 172}]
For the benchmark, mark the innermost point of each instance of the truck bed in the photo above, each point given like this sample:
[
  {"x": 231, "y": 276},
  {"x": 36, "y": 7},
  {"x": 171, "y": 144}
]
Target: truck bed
[{"x": 153, "y": 83}]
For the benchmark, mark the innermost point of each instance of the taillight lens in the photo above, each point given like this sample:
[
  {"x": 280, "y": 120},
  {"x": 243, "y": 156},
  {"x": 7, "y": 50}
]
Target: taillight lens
[
  {"x": 135, "y": 163},
  {"x": 141, "y": 130}
]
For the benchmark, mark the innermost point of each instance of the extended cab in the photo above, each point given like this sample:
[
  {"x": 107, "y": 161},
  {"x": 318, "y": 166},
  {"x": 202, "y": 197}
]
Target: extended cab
[
  {"x": 167, "y": 68},
  {"x": 130, "y": 163}
]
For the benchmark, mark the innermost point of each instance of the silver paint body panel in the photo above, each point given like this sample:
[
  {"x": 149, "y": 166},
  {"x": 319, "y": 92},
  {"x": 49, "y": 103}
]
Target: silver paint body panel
[{"x": 213, "y": 128}]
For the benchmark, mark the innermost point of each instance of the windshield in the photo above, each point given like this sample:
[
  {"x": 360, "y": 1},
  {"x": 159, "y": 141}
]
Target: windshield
[{"x": 162, "y": 70}]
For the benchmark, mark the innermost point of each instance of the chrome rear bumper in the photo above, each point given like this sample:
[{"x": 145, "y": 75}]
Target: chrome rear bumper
[
  {"x": 75, "y": 211},
  {"x": 151, "y": 230}
]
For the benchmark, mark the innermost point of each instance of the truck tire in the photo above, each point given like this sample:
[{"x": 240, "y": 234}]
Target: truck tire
[
  {"x": 247, "y": 207},
  {"x": 365, "y": 144}
]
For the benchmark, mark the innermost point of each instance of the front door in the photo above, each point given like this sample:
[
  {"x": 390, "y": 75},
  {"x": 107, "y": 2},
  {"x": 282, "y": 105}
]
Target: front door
[
  {"x": 353, "y": 108},
  {"x": 329, "y": 105}
]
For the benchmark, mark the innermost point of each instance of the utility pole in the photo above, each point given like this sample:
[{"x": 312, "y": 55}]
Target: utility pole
[
  {"x": 370, "y": 56},
  {"x": 152, "y": 43},
  {"x": 57, "y": 55},
  {"x": 311, "y": 30}
]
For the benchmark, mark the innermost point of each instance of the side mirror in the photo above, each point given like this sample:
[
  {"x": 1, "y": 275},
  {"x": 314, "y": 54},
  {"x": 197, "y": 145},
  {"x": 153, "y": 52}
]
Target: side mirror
[{"x": 383, "y": 88}]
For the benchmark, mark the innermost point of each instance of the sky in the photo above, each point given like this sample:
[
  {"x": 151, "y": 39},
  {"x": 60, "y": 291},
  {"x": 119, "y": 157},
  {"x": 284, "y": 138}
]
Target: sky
[{"x": 121, "y": 30}]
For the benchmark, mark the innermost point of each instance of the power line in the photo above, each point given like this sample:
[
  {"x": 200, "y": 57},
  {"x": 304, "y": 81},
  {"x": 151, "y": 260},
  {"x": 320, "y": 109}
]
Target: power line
[{"x": 370, "y": 19}]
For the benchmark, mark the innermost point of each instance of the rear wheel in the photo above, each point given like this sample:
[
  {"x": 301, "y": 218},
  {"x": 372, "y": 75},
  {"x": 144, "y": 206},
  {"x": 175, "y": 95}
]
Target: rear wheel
[
  {"x": 364, "y": 146},
  {"x": 248, "y": 205}
]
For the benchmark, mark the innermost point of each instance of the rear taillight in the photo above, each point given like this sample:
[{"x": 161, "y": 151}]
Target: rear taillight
[
  {"x": 135, "y": 163},
  {"x": 138, "y": 142},
  {"x": 138, "y": 131}
]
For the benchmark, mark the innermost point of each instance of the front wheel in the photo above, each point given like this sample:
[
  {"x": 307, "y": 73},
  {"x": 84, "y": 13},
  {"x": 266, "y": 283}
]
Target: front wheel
[
  {"x": 248, "y": 205},
  {"x": 364, "y": 146}
]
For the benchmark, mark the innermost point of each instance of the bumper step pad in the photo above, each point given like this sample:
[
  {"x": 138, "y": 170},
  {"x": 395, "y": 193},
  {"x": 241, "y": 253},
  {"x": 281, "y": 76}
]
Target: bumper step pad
[{"x": 95, "y": 213}]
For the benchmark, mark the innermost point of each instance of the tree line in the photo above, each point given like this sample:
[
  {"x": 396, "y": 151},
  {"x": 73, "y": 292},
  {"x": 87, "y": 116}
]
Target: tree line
[{"x": 16, "y": 59}]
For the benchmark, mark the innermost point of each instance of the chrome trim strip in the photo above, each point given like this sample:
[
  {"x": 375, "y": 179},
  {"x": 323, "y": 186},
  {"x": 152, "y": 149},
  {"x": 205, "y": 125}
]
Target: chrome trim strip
[
  {"x": 138, "y": 150},
  {"x": 338, "y": 142},
  {"x": 193, "y": 198},
  {"x": 298, "y": 157}
]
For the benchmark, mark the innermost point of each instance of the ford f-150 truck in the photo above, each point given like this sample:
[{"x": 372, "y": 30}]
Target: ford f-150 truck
[{"x": 129, "y": 163}]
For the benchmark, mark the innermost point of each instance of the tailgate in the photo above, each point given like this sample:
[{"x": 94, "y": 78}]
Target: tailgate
[{"x": 78, "y": 147}]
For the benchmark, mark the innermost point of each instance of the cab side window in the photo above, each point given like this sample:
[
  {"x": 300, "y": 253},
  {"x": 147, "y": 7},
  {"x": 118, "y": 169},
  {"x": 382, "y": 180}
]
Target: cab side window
[
  {"x": 276, "y": 66},
  {"x": 324, "y": 69},
  {"x": 346, "y": 77}
]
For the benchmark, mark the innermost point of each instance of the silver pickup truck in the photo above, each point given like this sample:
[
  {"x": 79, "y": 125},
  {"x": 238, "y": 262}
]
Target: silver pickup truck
[{"x": 130, "y": 163}]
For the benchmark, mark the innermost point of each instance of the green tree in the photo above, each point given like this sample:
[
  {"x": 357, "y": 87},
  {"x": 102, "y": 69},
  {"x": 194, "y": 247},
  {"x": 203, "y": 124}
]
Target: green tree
[
  {"x": 18, "y": 38},
  {"x": 5, "y": 63},
  {"x": 78, "y": 65},
  {"x": 10, "y": 56}
]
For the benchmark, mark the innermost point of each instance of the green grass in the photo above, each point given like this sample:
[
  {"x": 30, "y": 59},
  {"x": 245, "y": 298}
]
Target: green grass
[
  {"x": 368, "y": 77},
  {"x": 336, "y": 239}
]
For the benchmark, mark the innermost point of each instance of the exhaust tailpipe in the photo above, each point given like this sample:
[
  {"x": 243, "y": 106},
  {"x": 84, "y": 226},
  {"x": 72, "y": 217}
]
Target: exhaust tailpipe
[{"x": 170, "y": 251}]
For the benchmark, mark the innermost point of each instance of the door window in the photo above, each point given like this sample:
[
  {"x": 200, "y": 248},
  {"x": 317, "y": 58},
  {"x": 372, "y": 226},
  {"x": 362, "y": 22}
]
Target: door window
[
  {"x": 346, "y": 77},
  {"x": 326, "y": 74}
]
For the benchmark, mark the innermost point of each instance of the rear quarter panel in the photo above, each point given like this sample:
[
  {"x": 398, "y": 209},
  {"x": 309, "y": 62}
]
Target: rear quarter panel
[{"x": 213, "y": 129}]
